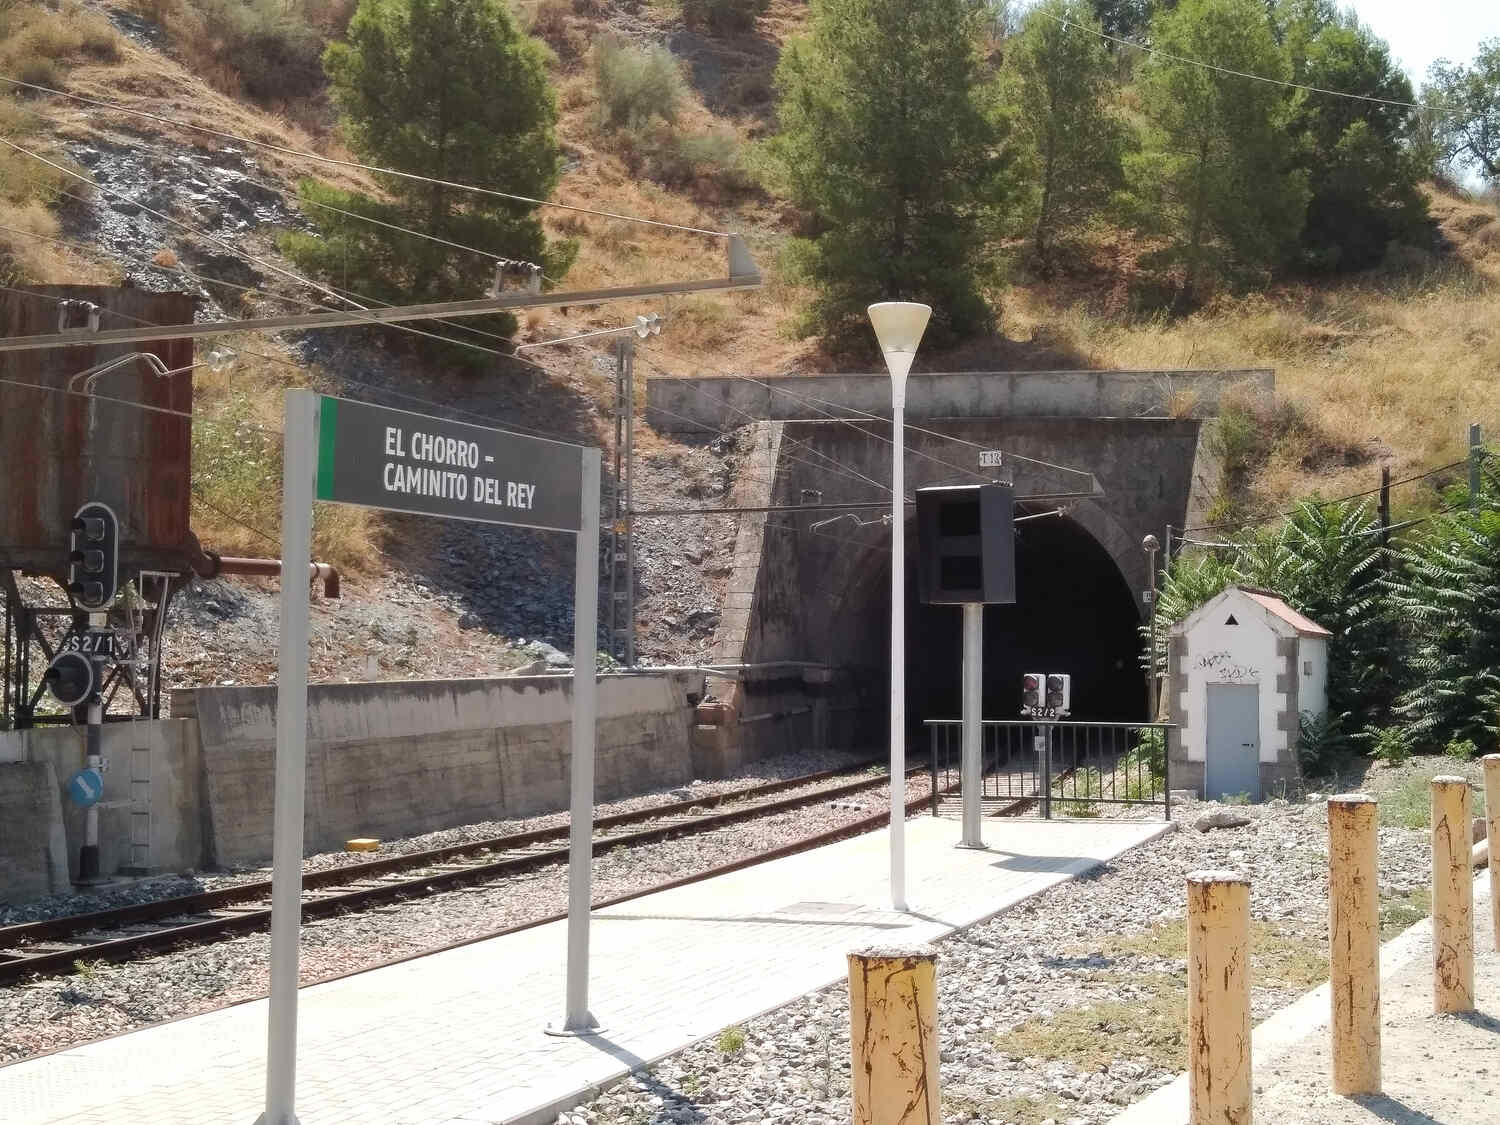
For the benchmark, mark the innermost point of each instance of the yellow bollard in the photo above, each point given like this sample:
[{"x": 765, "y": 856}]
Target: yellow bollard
[
  {"x": 1452, "y": 897},
  {"x": 1218, "y": 998},
  {"x": 1492, "y": 834},
  {"x": 893, "y": 1035},
  {"x": 1354, "y": 943}
]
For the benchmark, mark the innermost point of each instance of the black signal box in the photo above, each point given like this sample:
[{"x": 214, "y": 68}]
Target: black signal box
[{"x": 966, "y": 544}]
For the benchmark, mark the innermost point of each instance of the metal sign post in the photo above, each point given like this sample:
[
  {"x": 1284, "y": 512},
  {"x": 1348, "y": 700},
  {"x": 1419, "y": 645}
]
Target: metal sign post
[
  {"x": 298, "y": 480},
  {"x": 357, "y": 453},
  {"x": 971, "y": 773}
]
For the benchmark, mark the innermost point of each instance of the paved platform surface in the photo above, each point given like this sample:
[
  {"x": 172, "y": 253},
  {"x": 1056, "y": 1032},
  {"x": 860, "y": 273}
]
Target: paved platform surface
[
  {"x": 1434, "y": 1068},
  {"x": 456, "y": 1038}
]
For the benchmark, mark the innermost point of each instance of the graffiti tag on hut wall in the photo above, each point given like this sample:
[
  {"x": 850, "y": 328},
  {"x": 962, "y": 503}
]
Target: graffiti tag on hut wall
[{"x": 1225, "y": 670}]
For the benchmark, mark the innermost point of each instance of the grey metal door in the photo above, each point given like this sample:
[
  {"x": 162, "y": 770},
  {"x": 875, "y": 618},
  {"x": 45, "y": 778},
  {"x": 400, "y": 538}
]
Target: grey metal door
[{"x": 1233, "y": 747}]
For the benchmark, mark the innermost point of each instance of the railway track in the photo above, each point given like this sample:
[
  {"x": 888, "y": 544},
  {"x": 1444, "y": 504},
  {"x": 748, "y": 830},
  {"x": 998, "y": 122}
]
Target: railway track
[{"x": 55, "y": 946}]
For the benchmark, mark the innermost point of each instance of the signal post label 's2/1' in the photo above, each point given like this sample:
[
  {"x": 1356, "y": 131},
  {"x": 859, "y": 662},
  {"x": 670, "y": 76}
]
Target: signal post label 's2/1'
[{"x": 393, "y": 459}]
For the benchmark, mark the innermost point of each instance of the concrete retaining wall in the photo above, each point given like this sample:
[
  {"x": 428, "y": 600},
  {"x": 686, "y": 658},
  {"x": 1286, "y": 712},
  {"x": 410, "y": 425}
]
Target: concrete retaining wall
[
  {"x": 33, "y": 851},
  {"x": 384, "y": 759},
  {"x": 150, "y": 817},
  {"x": 398, "y": 759},
  {"x": 711, "y": 404}
]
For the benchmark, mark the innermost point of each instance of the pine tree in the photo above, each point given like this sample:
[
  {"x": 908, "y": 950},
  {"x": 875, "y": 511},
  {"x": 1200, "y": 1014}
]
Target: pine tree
[
  {"x": 449, "y": 89},
  {"x": 1215, "y": 174},
  {"x": 1363, "y": 172},
  {"x": 891, "y": 139},
  {"x": 1061, "y": 79}
]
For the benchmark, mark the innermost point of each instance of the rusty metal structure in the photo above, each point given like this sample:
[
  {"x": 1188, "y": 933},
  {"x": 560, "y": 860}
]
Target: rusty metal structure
[{"x": 128, "y": 444}]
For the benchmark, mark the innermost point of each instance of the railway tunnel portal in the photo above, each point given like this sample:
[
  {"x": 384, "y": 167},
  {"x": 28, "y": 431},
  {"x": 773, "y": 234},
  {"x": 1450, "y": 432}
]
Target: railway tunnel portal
[{"x": 810, "y": 586}]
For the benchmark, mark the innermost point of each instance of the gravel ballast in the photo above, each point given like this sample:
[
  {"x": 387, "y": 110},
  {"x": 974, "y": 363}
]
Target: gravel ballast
[
  {"x": 1063, "y": 1010},
  {"x": 105, "y": 999}
]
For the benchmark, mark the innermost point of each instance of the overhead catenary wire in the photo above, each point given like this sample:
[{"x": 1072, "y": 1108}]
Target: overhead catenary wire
[
  {"x": 1231, "y": 72},
  {"x": 832, "y": 463},
  {"x": 423, "y": 235},
  {"x": 342, "y": 380},
  {"x": 1377, "y": 529},
  {"x": 814, "y": 402},
  {"x": 1247, "y": 524},
  {"x": 375, "y": 168},
  {"x": 341, "y": 295},
  {"x": 853, "y": 424},
  {"x": 232, "y": 518},
  {"x": 237, "y": 251}
]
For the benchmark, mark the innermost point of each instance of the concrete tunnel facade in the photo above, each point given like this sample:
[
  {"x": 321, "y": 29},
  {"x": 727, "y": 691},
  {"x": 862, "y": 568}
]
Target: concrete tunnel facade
[{"x": 812, "y": 588}]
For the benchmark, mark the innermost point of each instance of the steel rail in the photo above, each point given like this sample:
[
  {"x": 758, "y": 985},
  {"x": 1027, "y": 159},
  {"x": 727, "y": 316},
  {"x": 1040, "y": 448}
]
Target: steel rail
[{"x": 244, "y": 918}]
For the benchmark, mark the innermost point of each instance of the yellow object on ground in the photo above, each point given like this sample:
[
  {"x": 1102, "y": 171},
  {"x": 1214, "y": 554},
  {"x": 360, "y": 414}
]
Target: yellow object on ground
[
  {"x": 1218, "y": 998},
  {"x": 1354, "y": 943},
  {"x": 363, "y": 844},
  {"x": 1492, "y": 830},
  {"x": 893, "y": 1017},
  {"x": 1452, "y": 897}
]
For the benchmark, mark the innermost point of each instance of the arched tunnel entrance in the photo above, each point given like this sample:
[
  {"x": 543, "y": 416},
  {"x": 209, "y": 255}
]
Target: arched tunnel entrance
[{"x": 1074, "y": 613}]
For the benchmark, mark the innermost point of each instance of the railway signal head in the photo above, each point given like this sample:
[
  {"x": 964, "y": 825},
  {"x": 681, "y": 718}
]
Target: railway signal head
[
  {"x": 1059, "y": 693},
  {"x": 94, "y": 556},
  {"x": 966, "y": 544},
  {"x": 1031, "y": 692},
  {"x": 70, "y": 678}
]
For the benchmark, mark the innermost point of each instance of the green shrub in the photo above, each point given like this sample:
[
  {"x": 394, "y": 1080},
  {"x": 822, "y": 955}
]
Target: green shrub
[
  {"x": 1461, "y": 748},
  {"x": 1389, "y": 745},
  {"x": 636, "y": 84},
  {"x": 1321, "y": 742},
  {"x": 266, "y": 49},
  {"x": 723, "y": 15},
  {"x": 1145, "y": 767},
  {"x": 662, "y": 152}
]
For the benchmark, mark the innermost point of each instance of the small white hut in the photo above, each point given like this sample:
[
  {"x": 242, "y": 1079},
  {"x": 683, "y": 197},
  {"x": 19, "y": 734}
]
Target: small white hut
[{"x": 1241, "y": 669}]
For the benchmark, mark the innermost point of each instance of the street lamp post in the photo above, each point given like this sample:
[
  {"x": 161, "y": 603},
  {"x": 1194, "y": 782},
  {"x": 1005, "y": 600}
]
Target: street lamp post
[
  {"x": 898, "y": 326},
  {"x": 1151, "y": 546}
]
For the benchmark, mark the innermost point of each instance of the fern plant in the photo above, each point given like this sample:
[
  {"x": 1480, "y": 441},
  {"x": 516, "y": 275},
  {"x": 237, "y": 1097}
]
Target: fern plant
[{"x": 1447, "y": 595}]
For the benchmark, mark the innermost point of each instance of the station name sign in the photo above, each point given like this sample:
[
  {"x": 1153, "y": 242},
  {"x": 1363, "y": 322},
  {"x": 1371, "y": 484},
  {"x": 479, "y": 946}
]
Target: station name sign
[{"x": 403, "y": 462}]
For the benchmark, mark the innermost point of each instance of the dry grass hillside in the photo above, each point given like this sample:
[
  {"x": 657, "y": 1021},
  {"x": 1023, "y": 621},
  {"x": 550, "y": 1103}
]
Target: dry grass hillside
[{"x": 1387, "y": 367}]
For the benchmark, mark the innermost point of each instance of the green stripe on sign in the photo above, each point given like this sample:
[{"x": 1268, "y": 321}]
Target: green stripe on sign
[{"x": 328, "y": 427}]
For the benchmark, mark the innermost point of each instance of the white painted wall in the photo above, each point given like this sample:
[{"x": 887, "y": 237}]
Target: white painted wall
[
  {"x": 1233, "y": 654},
  {"x": 1312, "y": 672}
]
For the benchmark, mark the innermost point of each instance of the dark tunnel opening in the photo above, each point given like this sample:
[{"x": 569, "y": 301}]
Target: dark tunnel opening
[{"x": 1074, "y": 613}]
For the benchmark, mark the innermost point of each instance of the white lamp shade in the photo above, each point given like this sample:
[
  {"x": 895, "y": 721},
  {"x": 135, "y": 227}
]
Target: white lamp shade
[{"x": 899, "y": 326}]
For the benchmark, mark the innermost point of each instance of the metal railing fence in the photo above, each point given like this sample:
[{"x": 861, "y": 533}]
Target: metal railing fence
[{"x": 1068, "y": 768}]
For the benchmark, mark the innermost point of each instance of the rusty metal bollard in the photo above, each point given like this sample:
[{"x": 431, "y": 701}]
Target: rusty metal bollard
[
  {"x": 1492, "y": 836},
  {"x": 1452, "y": 897},
  {"x": 1354, "y": 943},
  {"x": 1218, "y": 998},
  {"x": 893, "y": 1036}
]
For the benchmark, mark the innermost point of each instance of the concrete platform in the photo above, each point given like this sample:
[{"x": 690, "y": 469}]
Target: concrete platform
[
  {"x": 1433, "y": 1068},
  {"x": 456, "y": 1038}
]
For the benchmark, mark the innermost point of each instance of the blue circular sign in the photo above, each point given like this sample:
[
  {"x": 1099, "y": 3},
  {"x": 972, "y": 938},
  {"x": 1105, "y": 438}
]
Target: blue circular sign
[{"x": 86, "y": 787}]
